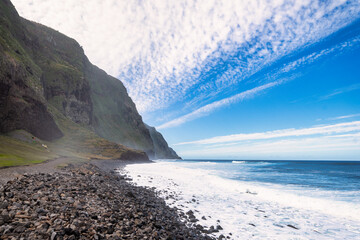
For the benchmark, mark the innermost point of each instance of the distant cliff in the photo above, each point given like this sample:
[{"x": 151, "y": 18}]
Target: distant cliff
[
  {"x": 162, "y": 150},
  {"x": 46, "y": 77}
]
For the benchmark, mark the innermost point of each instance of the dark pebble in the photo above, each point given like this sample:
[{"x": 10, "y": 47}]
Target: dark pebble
[{"x": 88, "y": 203}]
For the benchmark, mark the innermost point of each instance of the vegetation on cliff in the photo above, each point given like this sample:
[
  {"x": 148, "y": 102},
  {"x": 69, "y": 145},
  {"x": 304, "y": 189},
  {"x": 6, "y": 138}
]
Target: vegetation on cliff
[{"x": 49, "y": 89}]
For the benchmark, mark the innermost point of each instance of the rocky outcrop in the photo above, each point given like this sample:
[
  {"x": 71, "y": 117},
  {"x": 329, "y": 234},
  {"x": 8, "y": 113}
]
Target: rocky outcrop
[
  {"x": 44, "y": 72},
  {"x": 114, "y": 113},
  {"x": 19, "y": 109},
  {"x": 61, "y": 60},
  {"x": 21, "y": 103},
  {"x": 162, "y": 150}
]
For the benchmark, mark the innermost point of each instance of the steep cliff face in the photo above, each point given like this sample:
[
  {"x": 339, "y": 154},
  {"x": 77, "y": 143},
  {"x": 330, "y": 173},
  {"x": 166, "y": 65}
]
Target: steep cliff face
[
  {"x": 162, "y": 149},
  {"x": 21, "y": 103},
  {"x": 20, "y": 107},
  {"x": 43, "y": 71},
  {"x": 62, "y": 62},
  {"x": 114, "y": 114}
]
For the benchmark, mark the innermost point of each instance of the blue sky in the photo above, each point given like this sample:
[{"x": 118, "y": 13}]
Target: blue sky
[
  {"x": 319, "y": 93},
  {"x": 229, "y": 79}
]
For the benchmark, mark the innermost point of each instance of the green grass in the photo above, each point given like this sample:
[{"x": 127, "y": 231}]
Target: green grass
[
  {"x": 15, "y": 152},
  {"x": 80, "y": 142},
  {"x": 49, "y": 60},
  {"x": 15, "y": 53},
  {"x": 8, "y": 160}
]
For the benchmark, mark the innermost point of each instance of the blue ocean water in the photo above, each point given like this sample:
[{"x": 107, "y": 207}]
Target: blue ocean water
[
  {"x": 261, "y": 199},
  {"x": 337, "y": 180}
]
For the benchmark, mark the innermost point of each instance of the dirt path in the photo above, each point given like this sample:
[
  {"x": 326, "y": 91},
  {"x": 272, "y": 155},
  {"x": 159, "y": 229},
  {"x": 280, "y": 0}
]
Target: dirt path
[{"x": 7, "y": 174}]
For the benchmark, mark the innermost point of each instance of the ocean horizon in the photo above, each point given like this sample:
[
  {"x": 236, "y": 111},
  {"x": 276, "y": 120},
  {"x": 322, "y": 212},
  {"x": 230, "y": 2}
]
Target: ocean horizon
[
  {"x": 261, "y": 199},
  {"x": 266, "y": 94}
]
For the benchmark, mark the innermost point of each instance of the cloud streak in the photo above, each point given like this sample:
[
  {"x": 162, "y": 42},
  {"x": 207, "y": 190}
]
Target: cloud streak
[
  {"x": 346, "y": 147},
  {"x": 280, "y": 73},
  {"x": 341, "y": 91},
  {"x": 207, "y": 109},
  {"x": 323, "y": 130},
  {"x": 331, "y": 142},
  {"x": 171, "y": 51},
  {"x": 345, "y": 116}
]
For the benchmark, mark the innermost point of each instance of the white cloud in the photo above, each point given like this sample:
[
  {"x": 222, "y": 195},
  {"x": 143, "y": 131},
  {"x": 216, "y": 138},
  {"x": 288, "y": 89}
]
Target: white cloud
[
  {"x": 339, "y": 91},
  {"x": 279, "y": 73},
  {"x": 324, "y": 147},
  {"x": 205, "y": 110},
  {"x": 345, "y": 116},
  {"x": 324, "y": 130},
  {"x": 337, "y": 141},
  {"x": 160, "y": 48}
]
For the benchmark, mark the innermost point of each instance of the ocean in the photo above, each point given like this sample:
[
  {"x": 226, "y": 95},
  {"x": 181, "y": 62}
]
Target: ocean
[{"x": 261, "y": 199}]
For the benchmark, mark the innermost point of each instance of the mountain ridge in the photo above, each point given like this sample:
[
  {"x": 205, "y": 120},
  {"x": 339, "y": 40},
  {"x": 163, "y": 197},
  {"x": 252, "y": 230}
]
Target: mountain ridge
[{"x": 48, "y": 87}]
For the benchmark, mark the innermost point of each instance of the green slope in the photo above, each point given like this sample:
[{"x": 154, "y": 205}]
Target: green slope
[{"x": 49, "y": 88}]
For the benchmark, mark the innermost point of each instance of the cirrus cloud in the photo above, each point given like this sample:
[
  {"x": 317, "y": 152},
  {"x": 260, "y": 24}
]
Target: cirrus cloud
[
  {"x": 171, "y": 51},
  {"x": 324, "y": 130},
  {"x": 335, "y": 141}
]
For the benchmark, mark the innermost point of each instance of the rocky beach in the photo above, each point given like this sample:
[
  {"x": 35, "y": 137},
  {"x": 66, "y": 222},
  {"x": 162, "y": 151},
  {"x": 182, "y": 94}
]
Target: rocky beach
[{"x": 89, "y": 201}]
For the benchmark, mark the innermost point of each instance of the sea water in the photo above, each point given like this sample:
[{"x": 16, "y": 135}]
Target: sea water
[{"x": 262, "y": 199}]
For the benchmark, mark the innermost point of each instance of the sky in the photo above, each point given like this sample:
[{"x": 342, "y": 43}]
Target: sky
[{"x": 250, "y": 79}]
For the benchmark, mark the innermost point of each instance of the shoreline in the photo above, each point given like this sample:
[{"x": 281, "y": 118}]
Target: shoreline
[
  {"x": 57, "y": 165},
  {"x": 247, "y": 210},
  {"x": 87, "y": 201}
]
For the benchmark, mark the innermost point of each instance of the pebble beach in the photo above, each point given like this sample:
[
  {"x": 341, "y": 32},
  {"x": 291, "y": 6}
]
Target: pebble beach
[{"x": 89, "y": 201}]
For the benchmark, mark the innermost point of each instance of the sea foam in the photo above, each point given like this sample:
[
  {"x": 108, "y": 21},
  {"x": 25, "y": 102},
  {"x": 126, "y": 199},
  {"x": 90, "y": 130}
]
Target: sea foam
[
  {"x": 238, "y": 162},
  {"x": 249, "y": 210}
]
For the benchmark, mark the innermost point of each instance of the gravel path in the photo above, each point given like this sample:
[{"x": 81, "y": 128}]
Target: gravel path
[{"x": 55, "y": 165}]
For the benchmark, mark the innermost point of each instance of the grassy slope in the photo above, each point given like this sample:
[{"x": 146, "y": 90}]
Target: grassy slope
[
  {"x": 19, "y": 148},
  {"x": 14, "y": 152},
  {"x": 82, "y": 142},
  {"x": 66, "y": 68},
  {"x": 114, "y": 115},
  {"x": 50, "y": 54}
]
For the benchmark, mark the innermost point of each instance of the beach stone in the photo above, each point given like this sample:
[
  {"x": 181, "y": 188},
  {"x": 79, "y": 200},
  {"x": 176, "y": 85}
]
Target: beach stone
[
  {"x": 4, "y": 219},
  {"x": 53, "y": 236},
  {"x": 4, "y": 205},
  {"x": 86, "y": 202},
  {"x": 221, "y": 237},
  {"x": 291, "y": 226}
]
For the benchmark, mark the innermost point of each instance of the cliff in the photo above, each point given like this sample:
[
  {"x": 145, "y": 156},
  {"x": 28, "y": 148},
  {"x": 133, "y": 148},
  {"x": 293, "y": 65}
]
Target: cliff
[
  {"x": 49, "y": 88},
  {"x": 162, "y": 150}
]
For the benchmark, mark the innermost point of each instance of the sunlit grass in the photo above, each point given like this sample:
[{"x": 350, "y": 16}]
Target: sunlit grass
[{"x": 15, "y": 152}]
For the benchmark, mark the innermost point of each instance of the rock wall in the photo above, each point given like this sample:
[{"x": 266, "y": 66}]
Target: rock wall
[
  {"x": 42, "y": 68},
  {"x": 22, "y": 105},
  {"x": 162, "y": 149}
]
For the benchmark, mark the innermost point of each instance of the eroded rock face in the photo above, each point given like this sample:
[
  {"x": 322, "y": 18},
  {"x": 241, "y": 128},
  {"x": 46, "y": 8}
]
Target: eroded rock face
[
  {"x": 114, "y": 113},
  {"x": 20, "y": 107},
  {"x": 73, "y": 103},
  {"x": 42, "y": 69},
  {"x": 162, "y": 149},
  {"x": 61, "y": 61}
]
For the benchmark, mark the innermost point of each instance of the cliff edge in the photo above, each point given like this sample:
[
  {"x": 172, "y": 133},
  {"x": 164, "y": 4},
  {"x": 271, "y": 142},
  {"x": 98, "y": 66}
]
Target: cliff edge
[{"x": 50, "y": 89}]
